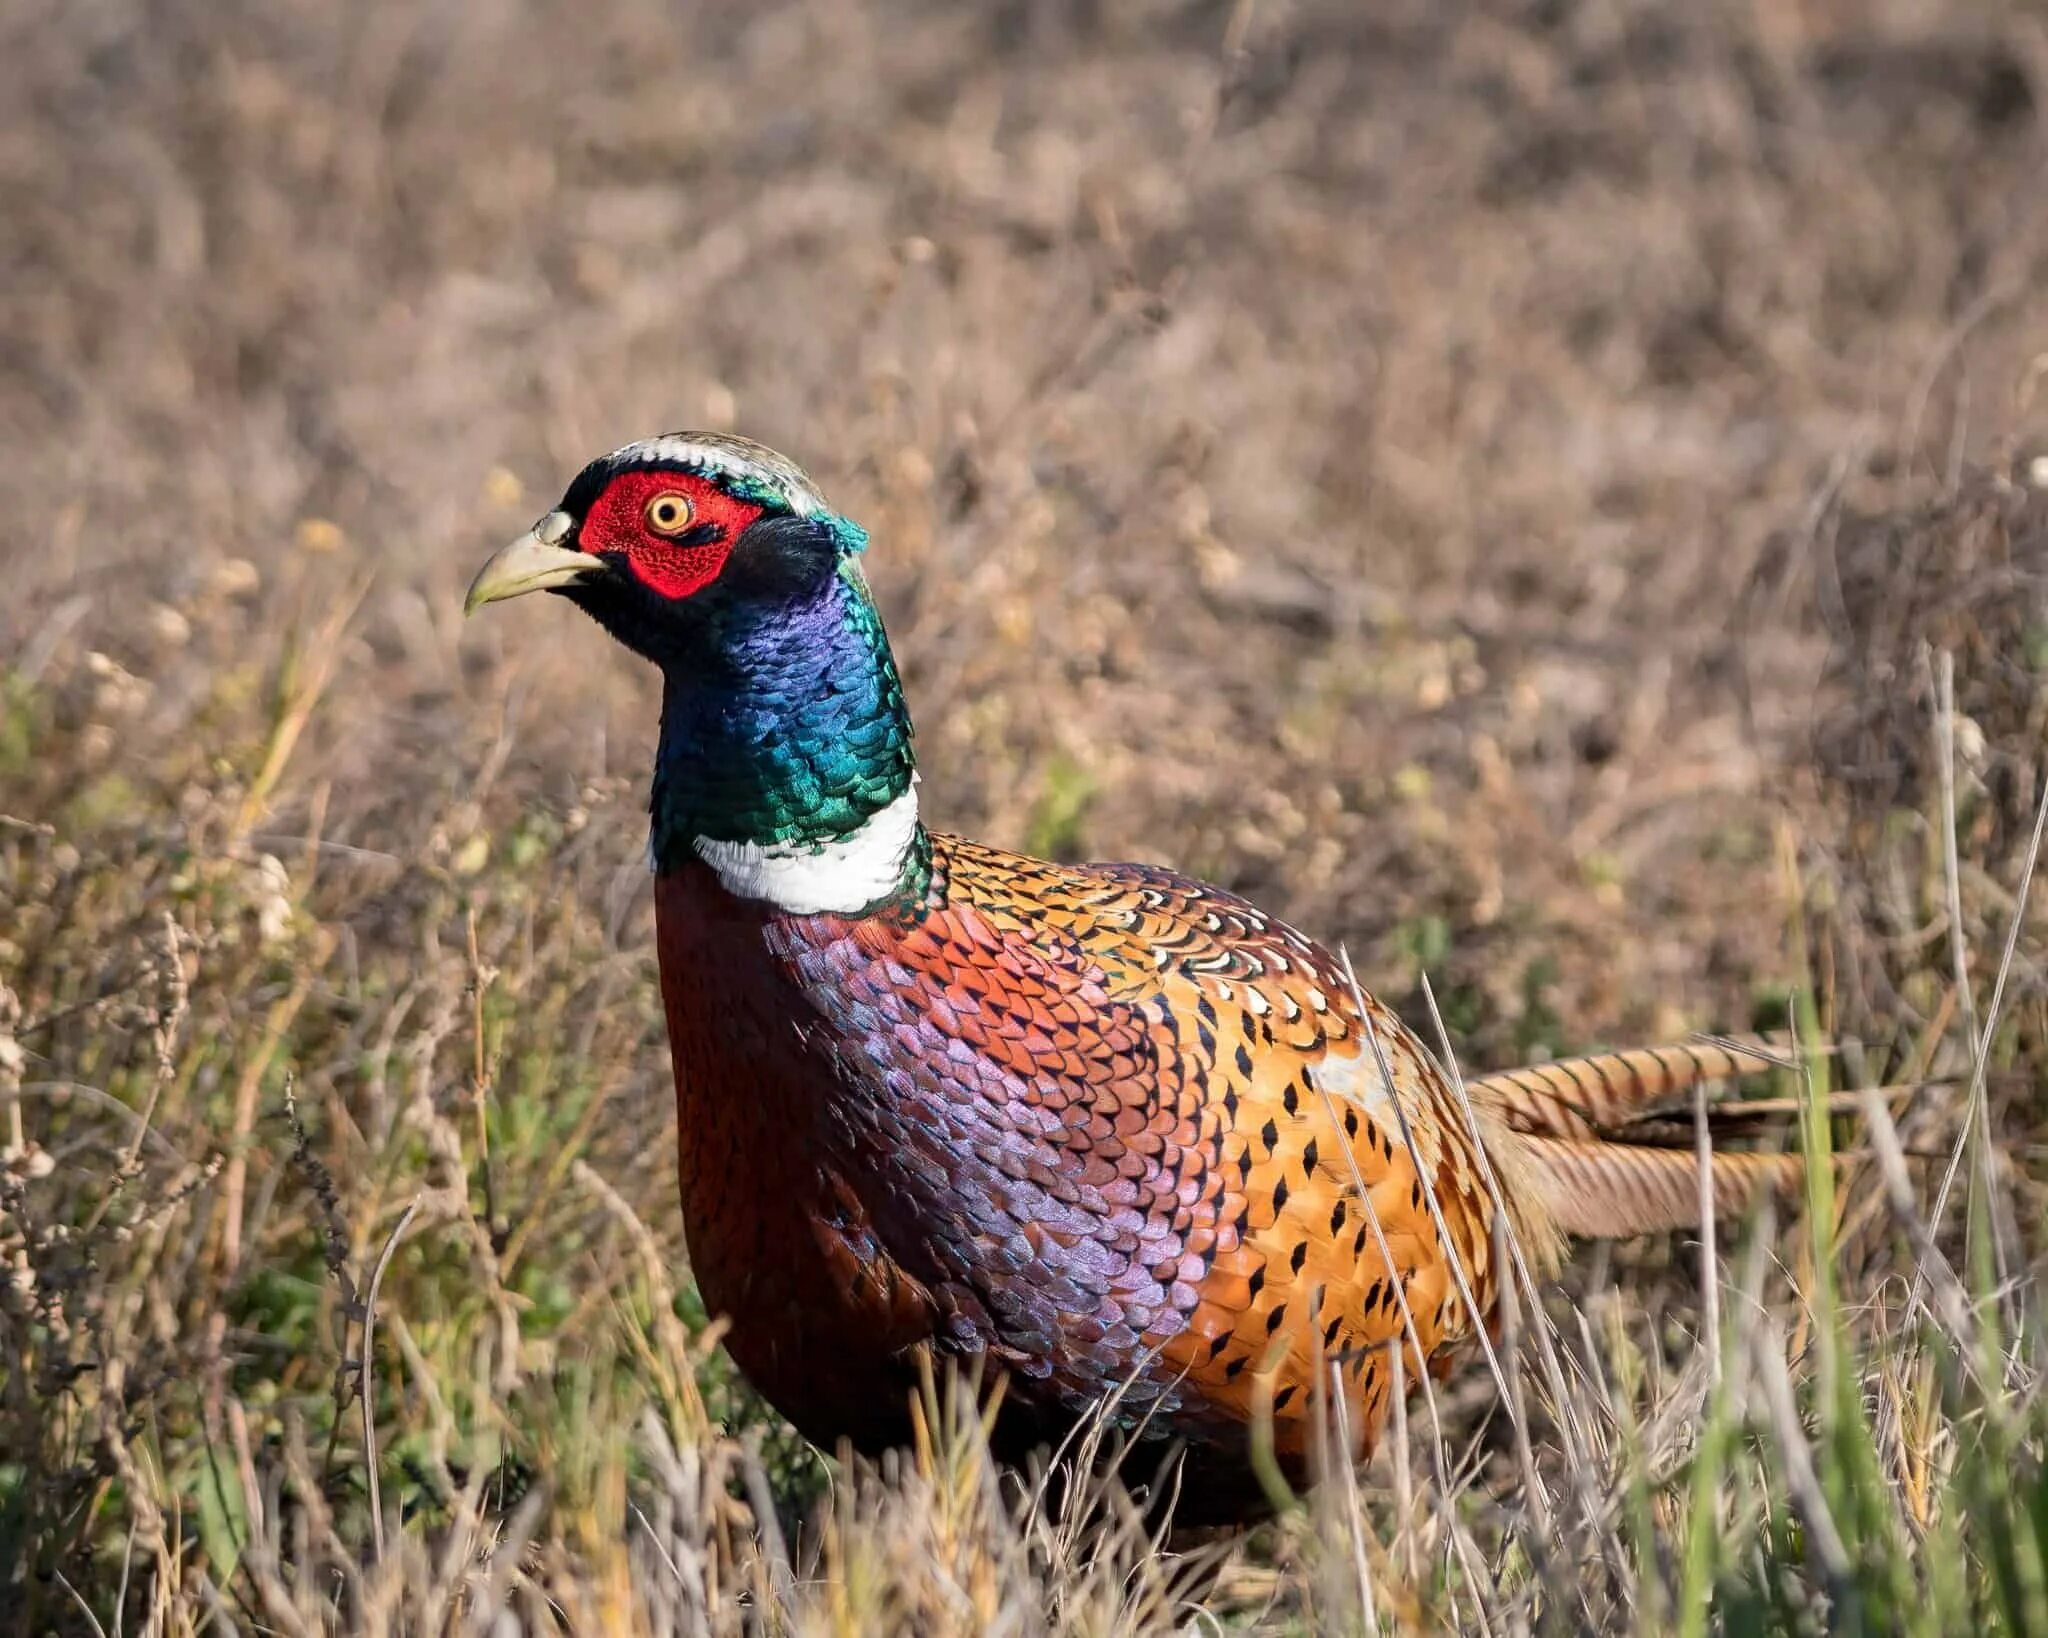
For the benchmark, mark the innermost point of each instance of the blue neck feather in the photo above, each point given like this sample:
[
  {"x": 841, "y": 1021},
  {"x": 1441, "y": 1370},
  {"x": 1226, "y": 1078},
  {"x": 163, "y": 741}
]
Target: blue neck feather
[{"x": 782, "y": 723}]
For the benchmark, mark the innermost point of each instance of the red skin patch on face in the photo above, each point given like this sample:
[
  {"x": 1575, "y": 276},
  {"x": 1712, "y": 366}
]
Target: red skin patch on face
[{"x": 617, "y": 522}]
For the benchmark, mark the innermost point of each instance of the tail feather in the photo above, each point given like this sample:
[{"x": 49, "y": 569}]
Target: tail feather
[
  {"x": 1754, "y": 1117},
  {"x": 1586, "y": 1098},
  {"x": 1602, "y": 1190}
]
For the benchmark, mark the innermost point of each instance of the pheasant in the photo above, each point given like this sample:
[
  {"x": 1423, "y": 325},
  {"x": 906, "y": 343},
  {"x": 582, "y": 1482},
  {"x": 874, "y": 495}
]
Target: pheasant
[{"x": 1115, "y": 1135}]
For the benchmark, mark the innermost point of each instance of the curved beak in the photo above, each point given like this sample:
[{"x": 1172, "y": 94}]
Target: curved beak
[{"x": 534, "y": 562}]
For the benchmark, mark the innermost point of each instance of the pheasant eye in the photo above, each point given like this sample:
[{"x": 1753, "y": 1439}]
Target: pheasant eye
[{"x": 668, "y": 513}]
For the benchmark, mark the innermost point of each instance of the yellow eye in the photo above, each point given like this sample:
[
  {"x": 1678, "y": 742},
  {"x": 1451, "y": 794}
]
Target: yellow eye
[{"x": 668, "y": 513}]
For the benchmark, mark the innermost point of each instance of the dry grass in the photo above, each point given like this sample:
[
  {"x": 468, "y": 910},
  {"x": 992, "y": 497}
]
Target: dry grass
[{"x": 1547, "y": 497}]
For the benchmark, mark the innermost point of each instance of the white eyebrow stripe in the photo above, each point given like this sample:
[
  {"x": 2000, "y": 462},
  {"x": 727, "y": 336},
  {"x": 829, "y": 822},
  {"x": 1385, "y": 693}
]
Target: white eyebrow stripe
[{"x": 791, "y": 485}]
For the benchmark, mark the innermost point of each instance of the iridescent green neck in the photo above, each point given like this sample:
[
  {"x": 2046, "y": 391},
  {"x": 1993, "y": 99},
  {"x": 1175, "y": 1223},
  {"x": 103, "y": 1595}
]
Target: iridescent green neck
[{"x": 784, "y": 735}]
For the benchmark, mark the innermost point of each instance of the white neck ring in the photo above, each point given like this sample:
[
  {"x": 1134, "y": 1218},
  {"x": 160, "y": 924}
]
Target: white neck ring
[{"x": 843, "y": 876}]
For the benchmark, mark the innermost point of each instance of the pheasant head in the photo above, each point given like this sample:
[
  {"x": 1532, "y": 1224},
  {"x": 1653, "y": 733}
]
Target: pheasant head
[{"x": 785, "y": 757}]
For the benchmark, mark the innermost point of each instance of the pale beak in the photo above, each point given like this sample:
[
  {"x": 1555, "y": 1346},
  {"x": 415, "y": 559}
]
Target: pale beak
[{"x": 533, "y": 562}]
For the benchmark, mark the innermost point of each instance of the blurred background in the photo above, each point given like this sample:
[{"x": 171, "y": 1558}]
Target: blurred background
[
  {"x": 1489, "y": 481},
  {"x": 1373, "y": 456}
]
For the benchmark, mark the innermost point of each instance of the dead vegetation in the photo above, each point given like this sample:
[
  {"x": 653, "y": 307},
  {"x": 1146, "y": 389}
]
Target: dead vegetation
[{"x": 1550, "y": 497}]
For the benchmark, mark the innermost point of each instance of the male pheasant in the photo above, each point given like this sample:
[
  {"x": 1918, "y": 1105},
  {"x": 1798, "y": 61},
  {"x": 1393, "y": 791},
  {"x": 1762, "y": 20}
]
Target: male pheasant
[{"x": 1099, "y": 1127}]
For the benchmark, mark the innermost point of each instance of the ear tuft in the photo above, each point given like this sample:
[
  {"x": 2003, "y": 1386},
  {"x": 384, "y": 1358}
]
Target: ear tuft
[{"x": 852, "y": 539}]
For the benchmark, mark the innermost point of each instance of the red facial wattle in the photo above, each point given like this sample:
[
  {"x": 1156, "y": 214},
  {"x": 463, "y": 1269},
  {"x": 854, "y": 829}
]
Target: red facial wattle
[{"x": 672, "y": 565}]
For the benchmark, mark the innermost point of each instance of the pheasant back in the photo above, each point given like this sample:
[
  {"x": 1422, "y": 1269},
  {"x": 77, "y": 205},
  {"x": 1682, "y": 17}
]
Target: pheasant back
[{"x": 1112, "y": 1132}]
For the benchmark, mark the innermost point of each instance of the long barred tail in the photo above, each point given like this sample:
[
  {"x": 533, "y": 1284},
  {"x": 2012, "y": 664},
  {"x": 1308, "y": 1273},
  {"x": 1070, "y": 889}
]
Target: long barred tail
[
  {"x": 1610, "y": 1190},
  {"x": 1586, "y": 1099},
  {"x": 1589, "y": 1127}
]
